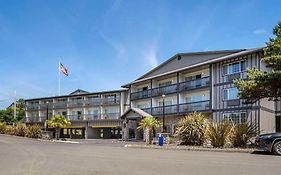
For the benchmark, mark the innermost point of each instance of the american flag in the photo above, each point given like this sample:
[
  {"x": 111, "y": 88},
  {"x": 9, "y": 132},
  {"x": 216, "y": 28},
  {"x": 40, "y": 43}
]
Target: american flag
[{"x": 63, "y": 70}]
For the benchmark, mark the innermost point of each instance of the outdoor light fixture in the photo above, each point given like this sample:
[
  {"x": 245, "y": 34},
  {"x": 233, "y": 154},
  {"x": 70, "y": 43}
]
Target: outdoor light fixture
[
  {"x": 46, "y": 126},
  {"x": 163, "y": 127}
]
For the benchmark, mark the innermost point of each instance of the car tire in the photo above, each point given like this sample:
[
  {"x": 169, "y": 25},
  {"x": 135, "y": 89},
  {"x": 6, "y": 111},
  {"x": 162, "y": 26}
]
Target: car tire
[{"x": 277, "y": 148}]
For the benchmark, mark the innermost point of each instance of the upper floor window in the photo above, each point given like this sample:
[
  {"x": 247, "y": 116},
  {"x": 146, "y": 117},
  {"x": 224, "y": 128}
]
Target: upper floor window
[
  {"x": 235, "y": 118},
  {"x": 167, "y": 103},
  {"x": 195, "y": 98},
  {"x": 235, "y": 67},
  {"x": 195, "y": 77},
  {"x": 145, "y": 88},
  {"x": 165, "y": 83},
  {"x": 142, "y": 106},
  {"x": 230, "y": 94}
]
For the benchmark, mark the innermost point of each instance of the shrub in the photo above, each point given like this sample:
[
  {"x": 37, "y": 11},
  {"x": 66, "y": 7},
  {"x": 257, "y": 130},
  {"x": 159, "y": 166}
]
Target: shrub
[
  {"x": 2, "y": 128},
  {"x": 34, "y": 131},
  {"x": 10, "y": 130},
  {"x": 20, "y": 130},
  {"x": 192, "y": 129},
  {"x": 218, "y": 134},
  {"x": 242, "y": 133}
]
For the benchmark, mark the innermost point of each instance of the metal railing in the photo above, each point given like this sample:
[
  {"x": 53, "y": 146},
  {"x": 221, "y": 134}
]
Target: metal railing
[
  {"x": 141, "y": 94},
  {"x": 194, "y": 84},
  {"x": 164, "y": 90},
  {"x": 60, "y": 105},
  {"x": 194, "y": 106},
  {"x": 169, "y": 109},
  {"x": 169, "y": 89},
  {"x": 181, "y": 108}
]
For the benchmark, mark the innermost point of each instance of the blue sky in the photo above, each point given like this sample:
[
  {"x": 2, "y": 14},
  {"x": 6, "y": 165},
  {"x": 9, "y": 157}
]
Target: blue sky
[{"x": 107, "y": 43}]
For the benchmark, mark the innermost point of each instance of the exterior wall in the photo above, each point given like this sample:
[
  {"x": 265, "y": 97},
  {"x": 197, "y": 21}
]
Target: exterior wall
[
  {"x": 184, "y": 61},
  {"x": 220, "y": 81},
  {"x": 107, "y": 119},
  {"x": 267, "y": 122}
]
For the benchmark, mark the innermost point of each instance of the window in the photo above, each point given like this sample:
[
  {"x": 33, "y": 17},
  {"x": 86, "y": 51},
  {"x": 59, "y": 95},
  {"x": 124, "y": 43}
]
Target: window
[
  {"x": 142, "y": 106},
  {"x": 198, "y": 76},
  {"x": 235, "y": 118},
  {"x": 235, "y": 67},
  {"x": 167, "y": 103},
  {"x": 145, "y": 88},
  {"x": 230, "y": 94},
  {"x": 165, "y": 83},
  {"x": 195, "y": 98}
]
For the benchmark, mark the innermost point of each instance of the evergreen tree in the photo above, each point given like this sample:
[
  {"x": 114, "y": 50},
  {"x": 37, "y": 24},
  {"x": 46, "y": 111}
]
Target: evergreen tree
[{"x": 262, "y": 84}]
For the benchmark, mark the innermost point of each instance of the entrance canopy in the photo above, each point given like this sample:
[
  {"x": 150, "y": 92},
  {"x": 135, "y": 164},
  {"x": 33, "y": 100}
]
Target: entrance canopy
[{"x": 135, "y": 113}]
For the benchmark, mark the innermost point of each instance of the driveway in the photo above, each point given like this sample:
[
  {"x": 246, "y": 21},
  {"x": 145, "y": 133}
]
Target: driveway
[{"x": 27, "y": 156}]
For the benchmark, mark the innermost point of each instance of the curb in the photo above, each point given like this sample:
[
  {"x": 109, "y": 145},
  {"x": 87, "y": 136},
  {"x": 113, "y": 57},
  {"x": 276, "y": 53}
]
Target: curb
[{"x": 191, "y": 148}]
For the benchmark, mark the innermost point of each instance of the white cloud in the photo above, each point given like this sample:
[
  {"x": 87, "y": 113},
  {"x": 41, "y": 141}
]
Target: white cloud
[
  {"x": 259, "y": 31},
  {"x": 150, "y": 54}
]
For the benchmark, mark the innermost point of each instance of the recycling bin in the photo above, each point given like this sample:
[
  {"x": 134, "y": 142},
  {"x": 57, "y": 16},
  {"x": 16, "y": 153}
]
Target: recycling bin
[{"x": 160, "y": 140}]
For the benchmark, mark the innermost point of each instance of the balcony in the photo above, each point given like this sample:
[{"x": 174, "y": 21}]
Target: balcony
[
  {"x": 32, "y": 107},
  {"x": 92, "y": 116},
  {"x": 60, "y": 105},
  {"x": 141, "y": 95},
  {"x": 181, "y": 108},
  {"x": 194, "y": 106},
  {"x": 44, "y": 106},
  {"x": 110, "y": 116},
  {"x": 164, "y": 90},
  {"x": 75, "y": 117},
  {"x": 194, "y": 84},
  {"x": 90, "y": 103},
  {"x": 170, "y": 109},
  {"x": 75, "y": 104},
  {"x": 170, "y": 89},
  {"x": 111, "y": 101}
]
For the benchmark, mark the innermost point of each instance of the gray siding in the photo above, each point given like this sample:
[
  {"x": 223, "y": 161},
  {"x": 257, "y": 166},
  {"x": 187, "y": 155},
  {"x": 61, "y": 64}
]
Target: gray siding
[
  {"x": 186, "y": 60},
  {"x": 219, "y": 84}
]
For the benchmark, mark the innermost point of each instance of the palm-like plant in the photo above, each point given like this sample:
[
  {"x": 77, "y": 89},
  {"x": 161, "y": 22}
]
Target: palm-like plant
[
  {"x": 192, "y": 129},
  {"x": 147, "y": 124},
  {"x": 219, "y": 133},
  {"x": 242, "y": 133},
  {"x": 58, "y": 122}
]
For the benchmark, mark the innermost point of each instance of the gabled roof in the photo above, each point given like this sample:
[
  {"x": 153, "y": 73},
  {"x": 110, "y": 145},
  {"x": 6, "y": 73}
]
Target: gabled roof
[
  {"x": 225, "y": 52},
  {"x": 138, "y": 111},
  {"x": 78, "y": 91},
  {"x": 78, "y": 95},
  {"x": 229, "y": 55}
]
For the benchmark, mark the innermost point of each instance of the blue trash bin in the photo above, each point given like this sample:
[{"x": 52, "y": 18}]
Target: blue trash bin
[{"x": 160, "y": 140}]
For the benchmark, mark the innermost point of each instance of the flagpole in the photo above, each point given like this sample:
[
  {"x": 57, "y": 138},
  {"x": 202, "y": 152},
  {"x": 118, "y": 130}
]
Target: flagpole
[{"x": 59, "y": 78}]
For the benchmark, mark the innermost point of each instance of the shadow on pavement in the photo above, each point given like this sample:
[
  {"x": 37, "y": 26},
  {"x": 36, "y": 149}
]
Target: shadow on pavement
[{"x": 260, "y": 152}]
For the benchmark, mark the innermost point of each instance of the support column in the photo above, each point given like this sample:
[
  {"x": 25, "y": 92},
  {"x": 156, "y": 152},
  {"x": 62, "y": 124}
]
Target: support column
[{"x": 125, "y": 128}]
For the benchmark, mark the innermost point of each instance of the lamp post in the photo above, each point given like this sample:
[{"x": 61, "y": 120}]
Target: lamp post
[
  {"x": 47, "y": 116},
  {"x": 163, "y": 127}
]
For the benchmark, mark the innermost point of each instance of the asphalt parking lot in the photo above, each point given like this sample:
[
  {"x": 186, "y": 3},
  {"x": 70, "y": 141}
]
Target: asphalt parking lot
[{"x": 27, "y": 156}]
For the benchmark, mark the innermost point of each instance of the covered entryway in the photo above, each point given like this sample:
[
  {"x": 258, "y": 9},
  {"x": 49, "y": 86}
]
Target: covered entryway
[
  {"x": 104, "y": 129},
  {"x": 74, "y": 132},
  {"x": 131, "y": 118}
]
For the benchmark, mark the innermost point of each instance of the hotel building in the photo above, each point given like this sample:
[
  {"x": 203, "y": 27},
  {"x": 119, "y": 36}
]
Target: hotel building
[
  {"x": 187, "y": 82},
  {"x": 203, "y": 82},
  {"x": 92, "y": 115}
]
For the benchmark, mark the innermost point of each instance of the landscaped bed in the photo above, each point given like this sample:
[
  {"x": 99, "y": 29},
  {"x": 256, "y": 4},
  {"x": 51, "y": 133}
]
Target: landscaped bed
[{"x": 192, "y": 148}]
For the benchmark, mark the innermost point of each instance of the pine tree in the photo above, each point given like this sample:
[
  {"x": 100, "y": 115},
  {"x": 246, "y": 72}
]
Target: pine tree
[{"x": 262, "y": 84}]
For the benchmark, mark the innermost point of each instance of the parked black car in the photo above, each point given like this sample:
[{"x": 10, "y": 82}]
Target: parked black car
[{"x": 270, "y": 142}]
